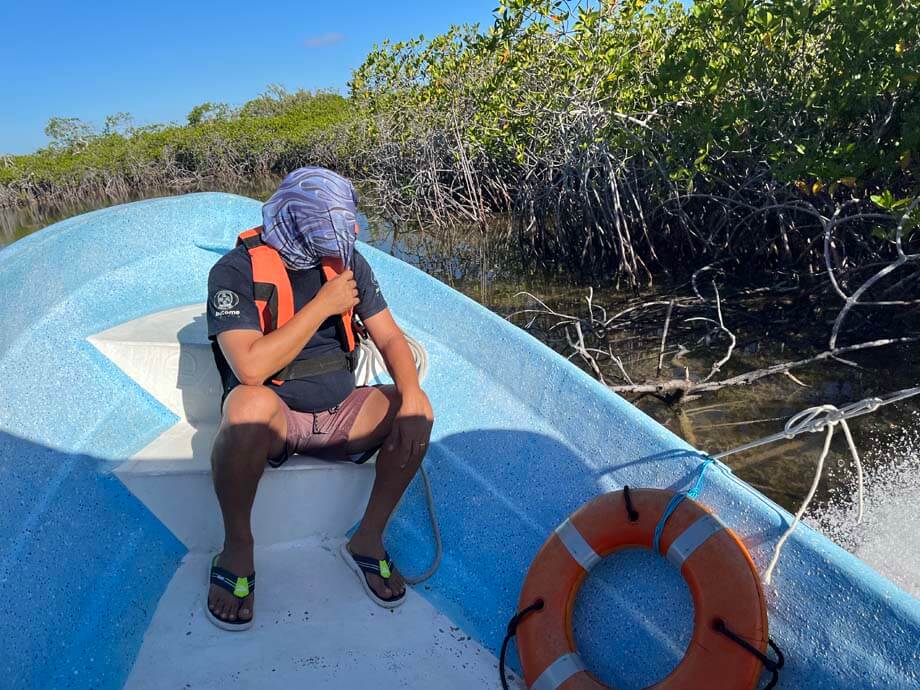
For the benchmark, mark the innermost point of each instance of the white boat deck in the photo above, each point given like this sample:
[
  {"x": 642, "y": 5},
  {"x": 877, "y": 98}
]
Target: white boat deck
[{"x": 314, "y": 626}]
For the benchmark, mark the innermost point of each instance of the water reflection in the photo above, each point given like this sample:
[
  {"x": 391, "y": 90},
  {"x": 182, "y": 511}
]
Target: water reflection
[{"x": 489, "y": 269}]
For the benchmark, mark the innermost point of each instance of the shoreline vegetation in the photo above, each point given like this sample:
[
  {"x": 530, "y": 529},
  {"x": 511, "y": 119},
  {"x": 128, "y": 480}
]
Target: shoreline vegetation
[{"x": 751, "y": 153}]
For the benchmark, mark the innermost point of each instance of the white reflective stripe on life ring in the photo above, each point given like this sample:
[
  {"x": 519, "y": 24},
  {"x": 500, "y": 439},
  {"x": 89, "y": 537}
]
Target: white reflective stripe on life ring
[
  {"x": 692, "y": 538},
  {"x": 576, "y": 545},
  {"x": 558, "y": 672}
]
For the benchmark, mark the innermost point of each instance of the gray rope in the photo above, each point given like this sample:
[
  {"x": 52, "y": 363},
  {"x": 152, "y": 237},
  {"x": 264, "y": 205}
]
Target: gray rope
[
  {"x": 371, "y": 367},
  {"x": 436, "y": 530},
  {"x": 811, "y": 420}
]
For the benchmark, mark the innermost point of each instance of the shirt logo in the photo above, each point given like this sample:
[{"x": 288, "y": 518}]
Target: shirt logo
[{"x": 224, "y": 301}]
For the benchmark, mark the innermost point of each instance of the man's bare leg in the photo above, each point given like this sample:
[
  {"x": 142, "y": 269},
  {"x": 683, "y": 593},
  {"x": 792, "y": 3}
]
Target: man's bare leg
[
  {"x": 252, "y": 429},
  {"x": 371, "y": 428}
]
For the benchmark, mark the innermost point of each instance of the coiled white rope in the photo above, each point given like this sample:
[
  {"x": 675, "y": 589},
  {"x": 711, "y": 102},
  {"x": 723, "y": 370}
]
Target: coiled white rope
[
  {"x": 812, "y": 420},
  {"x": 371, "y": 367}
]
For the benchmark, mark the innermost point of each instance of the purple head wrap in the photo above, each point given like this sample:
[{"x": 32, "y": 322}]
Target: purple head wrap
[{"x": 312, "y": 215}]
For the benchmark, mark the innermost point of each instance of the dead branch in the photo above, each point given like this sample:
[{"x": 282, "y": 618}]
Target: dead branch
[{"x": 666, "y": 388}]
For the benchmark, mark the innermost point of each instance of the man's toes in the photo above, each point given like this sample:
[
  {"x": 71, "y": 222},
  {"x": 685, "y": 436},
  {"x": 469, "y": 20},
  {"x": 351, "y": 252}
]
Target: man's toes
[
  {"x": 397, "y": 583},
  {"x": 380, "y": 588},
  {"x": 218, "y": 604},
  {"x": 245, "y": 612},
  {"x": 225, "y": 610}
]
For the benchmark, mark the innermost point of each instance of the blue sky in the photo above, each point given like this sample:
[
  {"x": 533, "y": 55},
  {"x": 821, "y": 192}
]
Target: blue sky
[{"x": 156, "y": 60}]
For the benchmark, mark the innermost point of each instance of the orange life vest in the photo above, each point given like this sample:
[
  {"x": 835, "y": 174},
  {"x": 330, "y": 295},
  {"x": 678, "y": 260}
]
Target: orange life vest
[{"x": 274, "y": 299}]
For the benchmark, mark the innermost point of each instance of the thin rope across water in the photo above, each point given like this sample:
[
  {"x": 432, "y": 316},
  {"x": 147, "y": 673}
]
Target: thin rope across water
[{"x": 812, "y": 420}]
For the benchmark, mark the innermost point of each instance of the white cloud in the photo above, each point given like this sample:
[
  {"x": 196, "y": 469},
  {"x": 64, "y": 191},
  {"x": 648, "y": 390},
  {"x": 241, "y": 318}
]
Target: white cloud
[{"x": 324, "y": 39}]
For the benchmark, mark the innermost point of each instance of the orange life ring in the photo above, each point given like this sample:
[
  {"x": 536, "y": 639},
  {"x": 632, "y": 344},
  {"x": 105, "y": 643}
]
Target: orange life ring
[{"x": 723, "y": 582}]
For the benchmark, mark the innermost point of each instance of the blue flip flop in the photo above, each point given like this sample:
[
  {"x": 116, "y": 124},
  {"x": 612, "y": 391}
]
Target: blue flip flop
[
  {"x": 240, "y": 587},
  {"x": 364, "y": 565}
]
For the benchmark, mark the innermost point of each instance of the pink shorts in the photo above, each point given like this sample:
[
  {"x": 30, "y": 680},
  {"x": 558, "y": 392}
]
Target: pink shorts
[{"x": 323, "y": 434}]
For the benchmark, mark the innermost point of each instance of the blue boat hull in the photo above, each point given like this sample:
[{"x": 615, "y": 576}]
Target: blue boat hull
[{"x": 522, "y": 439}]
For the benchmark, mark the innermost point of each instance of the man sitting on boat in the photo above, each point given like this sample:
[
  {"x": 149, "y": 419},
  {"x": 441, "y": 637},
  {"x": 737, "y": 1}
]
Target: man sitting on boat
[{"x": 279, "y": 312}]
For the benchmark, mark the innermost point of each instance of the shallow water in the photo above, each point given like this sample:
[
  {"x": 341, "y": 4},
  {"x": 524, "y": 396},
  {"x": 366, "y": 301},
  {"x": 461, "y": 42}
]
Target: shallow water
[{"x": 488, "y": 269}]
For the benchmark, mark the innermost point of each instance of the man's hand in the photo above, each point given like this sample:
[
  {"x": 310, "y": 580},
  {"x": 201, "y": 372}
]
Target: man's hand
[
  {"x": 254, "y": 356},
  {"x": 411, "y": 428},
  {"x": 338, "y": 295}
]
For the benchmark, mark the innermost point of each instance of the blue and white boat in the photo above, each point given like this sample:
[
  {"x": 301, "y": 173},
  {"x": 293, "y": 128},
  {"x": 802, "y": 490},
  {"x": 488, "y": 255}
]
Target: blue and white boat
[{"x": 109, "y": 401}]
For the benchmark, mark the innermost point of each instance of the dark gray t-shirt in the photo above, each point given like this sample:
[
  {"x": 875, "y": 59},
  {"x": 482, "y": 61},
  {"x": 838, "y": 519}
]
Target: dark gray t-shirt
[{"x": 231, "y": 306}]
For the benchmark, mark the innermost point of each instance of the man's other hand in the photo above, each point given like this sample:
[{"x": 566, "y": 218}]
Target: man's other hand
[{"x": 411, "y": 428}]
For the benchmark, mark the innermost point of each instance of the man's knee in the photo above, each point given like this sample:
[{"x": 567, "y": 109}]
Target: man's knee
[
  {"x": 250, "y": 409},
  {"x": 393, "y": 397}
]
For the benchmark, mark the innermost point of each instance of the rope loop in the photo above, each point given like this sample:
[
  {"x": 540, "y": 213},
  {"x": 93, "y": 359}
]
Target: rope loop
[
  {"x": 769, "y": 664},
  {"x": 872, "y": 404},
  {"x": 813, "y": 419},
  {"x": 693, "y": 493},
  {"x": 511, "y": 632}
]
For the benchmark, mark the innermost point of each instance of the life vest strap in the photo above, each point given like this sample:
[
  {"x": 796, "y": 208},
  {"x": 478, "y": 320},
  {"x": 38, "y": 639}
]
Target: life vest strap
[
  {"x": 316, "y": 365},
  {"x": 266, "y": 298},
  {"x": 332, "y": 268}
]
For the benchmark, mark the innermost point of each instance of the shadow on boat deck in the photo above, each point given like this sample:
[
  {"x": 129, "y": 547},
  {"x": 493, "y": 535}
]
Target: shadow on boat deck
[{"x": 83, "y": 563}]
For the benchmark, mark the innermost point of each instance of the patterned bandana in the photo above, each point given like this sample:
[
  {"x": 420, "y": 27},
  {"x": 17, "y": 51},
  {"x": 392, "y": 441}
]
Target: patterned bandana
[{"x": 312, "y": 215}]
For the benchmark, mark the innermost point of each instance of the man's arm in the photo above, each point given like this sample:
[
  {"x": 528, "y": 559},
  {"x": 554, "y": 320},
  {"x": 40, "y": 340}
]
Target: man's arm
[
  {"x": 412, "y": 426},
  {"x": 254, "y": 357}
]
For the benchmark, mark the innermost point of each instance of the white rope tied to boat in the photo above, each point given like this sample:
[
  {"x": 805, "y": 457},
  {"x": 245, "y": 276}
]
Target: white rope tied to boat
[
  {"x": 371, "y": 367},
  {"x": 812, "y": 420}
]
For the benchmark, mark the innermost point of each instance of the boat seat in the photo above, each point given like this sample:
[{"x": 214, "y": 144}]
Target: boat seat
[{"x": 168, "y": 354}]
